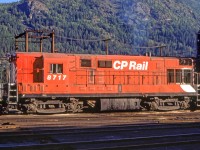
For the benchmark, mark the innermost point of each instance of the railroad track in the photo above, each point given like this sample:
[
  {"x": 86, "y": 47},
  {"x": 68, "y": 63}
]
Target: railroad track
[
  {"x": 166, "y": 141},
  {"x": 109, "y": 137},
  {"x": 95, "y": 119}
]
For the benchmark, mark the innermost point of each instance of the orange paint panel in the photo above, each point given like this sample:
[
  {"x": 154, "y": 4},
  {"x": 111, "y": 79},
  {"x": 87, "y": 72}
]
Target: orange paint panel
[{"x": 156, "y": 89}]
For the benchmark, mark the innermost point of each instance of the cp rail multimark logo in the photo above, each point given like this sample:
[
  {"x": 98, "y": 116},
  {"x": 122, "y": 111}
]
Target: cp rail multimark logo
[{"x": 131, "y": 65}]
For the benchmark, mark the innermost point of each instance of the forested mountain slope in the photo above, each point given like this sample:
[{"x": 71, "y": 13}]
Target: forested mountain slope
[{"x": 130, "y": 24}]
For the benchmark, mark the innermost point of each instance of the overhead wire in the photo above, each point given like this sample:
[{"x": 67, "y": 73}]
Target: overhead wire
[
  {"x": 69, "y": 38},
  {"x": 87, "y": 40}
]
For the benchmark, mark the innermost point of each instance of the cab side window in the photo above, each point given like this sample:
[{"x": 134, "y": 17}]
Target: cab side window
[
  {"x": 56, "y": 68},
  {"x": 170, "y": 75},
  {"x": 86, "y": 63},
  {"x": 104, "y": 64},
  {"x": 182, "y": 76},
  {"x": 187, "y": 76}
]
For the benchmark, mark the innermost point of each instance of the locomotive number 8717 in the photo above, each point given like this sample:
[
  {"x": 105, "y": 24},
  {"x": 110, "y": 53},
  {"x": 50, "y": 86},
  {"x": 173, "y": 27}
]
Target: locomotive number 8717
[{"x": 41, "y": 82}]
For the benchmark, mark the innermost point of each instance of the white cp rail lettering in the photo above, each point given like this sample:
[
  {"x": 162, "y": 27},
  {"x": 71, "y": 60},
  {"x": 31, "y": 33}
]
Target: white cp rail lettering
[{"x": 131, "y": 65}]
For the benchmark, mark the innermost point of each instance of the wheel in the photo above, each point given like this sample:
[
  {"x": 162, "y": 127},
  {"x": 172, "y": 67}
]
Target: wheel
[
  {"x": 184, "y": 105},
  {"x": 154, "y": 106}
]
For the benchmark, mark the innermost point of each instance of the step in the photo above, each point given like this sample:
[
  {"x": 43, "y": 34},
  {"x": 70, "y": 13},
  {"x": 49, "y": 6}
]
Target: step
[
  {"x": 12, "y": 103},
  {"x": 12, "y": 96},
  {"x": 13, "y": 90},
  {"x": 11, "y": 84}
]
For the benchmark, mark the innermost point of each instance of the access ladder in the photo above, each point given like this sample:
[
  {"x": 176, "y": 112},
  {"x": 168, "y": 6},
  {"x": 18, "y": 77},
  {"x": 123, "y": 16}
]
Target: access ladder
[
  {"x": 12, "y": 96},
  {"x": 198, "y": 95}
]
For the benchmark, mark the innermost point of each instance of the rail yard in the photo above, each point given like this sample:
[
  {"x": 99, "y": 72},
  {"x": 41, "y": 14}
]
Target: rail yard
[{"x": 124, "y": 130}]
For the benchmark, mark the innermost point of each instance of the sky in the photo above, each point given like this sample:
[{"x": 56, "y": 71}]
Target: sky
[{"x": 8, "y": 1}]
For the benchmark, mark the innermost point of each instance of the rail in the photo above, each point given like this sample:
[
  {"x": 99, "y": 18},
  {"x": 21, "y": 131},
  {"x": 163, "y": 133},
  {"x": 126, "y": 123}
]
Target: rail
[{"x": 111, "y": 137}]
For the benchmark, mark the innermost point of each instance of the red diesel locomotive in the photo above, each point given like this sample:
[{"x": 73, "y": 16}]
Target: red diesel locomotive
[{"x": 40, "y": 82}]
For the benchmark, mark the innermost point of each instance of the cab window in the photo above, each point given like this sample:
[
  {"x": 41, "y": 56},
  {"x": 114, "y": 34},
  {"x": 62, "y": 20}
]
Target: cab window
[
  {"x": 104, "y": 64},
  {"x": 170, "y": 75},
  {"x": 56, "y": 68},
  {"x": 86, "y": 63},
  {"x": 187, "y": 76},
  {"x": 182, "y": 76}
]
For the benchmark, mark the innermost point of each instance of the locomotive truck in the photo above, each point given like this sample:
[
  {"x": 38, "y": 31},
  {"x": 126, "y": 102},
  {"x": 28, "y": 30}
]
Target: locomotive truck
[{"x": 52, "y": 82}]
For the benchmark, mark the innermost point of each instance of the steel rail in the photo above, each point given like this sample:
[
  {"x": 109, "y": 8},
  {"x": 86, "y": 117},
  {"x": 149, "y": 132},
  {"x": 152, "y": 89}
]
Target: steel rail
[
  {"x": 139, "y": 142},
  {"x": 113, "y": 128}
]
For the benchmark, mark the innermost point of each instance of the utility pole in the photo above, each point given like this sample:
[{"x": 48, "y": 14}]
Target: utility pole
[{"x": 106, "y": 42}]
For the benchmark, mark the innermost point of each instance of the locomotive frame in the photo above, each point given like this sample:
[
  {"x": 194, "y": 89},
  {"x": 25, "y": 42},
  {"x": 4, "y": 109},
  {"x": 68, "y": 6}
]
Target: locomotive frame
[{"x": 40, "y": 82}]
